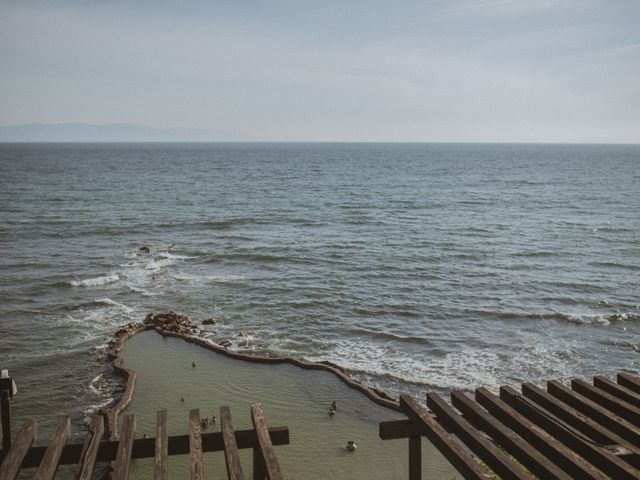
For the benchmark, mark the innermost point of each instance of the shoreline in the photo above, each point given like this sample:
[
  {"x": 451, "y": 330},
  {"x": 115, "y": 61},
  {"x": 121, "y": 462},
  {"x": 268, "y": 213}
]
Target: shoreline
[{"x": 176, "y": 325}]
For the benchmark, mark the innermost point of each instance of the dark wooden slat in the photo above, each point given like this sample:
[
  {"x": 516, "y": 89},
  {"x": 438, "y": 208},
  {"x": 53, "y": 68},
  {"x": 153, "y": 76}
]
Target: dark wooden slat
[
  {"x": 396, "y": 429},
  {"x": 601, "y": 415},
  {"x": 87, "y": 461},
  {"x": 5, "y": 414},
  {"x": 162, "y": 447},
  {"x": 259, "y": 470},
  {"x": 475, "y": 441},
  {"x": 575, "y": 440},
  {"x": 49, "y": 465},
  {"x": 438, "y": 436},
  {"x": 123, "y": 457},
  {"x": 145, "y": 447},
  {"x": 629, "y": 381},
  {"x": 615, "y": 405},
  {"x": 415, "y": 458},
  {"x": 616, "y": 390},
  {"x": 195, "y": 445},
  {"x": 266, "y": 448},
  {"x": 565, "y": 458},
  {"x": 524, "y": 453},
  {"x": 573, "y": 417},
  {"x": 11, "y": 464},
  {"x": 582, "y": 423},
  {"x": 231, "y": 455}
]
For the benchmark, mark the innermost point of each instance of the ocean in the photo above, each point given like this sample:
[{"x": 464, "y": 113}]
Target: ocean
[{"x": 416, "y": 267}]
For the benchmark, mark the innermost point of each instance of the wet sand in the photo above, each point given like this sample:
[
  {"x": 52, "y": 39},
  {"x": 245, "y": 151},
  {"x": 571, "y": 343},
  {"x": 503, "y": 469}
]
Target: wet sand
[{"x": 290, "y": 396}]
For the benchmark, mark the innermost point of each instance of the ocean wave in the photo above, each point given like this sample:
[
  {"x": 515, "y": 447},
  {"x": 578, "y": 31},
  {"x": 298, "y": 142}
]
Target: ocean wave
[
  {"x": 186, "y": 277},
  {"x": 95, "y": 281},
  {"x": 625, "y": 266},
  {"x": 389, "y": 336},
  {"x": 256, "y": 257},
  {"x": 100, "y": 303},
  {"x": 465, "y": 369},
  {"x": 112, "y": 303},
  {"x": 625, "y": 317},
  {"x": 584, "y": 319}
]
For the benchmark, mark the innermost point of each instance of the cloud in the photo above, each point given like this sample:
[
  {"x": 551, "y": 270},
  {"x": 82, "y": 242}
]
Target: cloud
[
  {"x": 517, "y": 8},
  {"x": 113, "y": 64}
]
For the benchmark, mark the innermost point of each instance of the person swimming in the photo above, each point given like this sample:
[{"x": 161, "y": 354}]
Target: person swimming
[{"x": 351, "y": 446}]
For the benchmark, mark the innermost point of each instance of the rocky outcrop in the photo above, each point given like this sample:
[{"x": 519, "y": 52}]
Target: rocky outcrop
[{"x": 170, "y": 322}]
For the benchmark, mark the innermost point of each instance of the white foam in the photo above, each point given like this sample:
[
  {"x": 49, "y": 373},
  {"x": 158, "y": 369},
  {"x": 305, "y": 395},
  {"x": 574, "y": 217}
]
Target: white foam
[
  {"x": 172, "y": 256},
  {"x": 96, "y": 281},
  {"x": 464, "y": 369},
  {"x": 186, "y": 277},
  {"x": 109, "y": 302},
  {"x": 586, "y": 319}
]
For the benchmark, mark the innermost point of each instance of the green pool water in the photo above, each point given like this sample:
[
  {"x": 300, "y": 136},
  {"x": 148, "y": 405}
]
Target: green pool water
[{"x": 292, "y": 397}]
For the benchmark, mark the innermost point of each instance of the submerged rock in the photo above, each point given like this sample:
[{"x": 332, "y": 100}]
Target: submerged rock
[
  {"x": 209, "y": 321},
  {"x": 145, "y": 248}
]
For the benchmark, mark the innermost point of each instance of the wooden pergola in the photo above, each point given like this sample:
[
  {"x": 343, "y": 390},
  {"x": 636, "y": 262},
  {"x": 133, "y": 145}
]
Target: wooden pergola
[
  {"x": 21, "y": 454},
  {"x": 583, "y": 432}
]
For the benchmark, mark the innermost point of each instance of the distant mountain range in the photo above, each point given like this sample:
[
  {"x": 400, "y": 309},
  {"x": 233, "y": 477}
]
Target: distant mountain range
[{"x": 114, "y": 132}]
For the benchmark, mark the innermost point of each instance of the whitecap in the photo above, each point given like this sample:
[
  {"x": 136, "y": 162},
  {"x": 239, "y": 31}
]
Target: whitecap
[
  {"x": 586, "y": 319},
  {"x": 95, "y": 282},
  {"x": 112, "y": 303}
]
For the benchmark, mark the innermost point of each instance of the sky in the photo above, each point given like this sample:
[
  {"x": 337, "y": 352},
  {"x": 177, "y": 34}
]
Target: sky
[{"x": 284, "y": 70}]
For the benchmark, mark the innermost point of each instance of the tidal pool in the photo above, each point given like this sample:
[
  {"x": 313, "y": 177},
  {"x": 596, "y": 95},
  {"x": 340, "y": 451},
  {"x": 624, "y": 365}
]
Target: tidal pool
[{"x": 291, "y": 396}]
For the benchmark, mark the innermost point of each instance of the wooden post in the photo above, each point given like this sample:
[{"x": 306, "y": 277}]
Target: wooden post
[
  {"x": 415, "y": 458},
  {"x": 5, "y": 411},
  {"x": 259, "y": 470}
]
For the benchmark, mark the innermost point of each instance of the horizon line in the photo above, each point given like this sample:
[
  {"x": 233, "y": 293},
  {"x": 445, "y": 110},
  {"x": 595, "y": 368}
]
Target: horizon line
[{"x": 374, "y": 142}]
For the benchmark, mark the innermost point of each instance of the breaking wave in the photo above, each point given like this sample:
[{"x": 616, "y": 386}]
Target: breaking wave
[{"x": 96, "y": 281}]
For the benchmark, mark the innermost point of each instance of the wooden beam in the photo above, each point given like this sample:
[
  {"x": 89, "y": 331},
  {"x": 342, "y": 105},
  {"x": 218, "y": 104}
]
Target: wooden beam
[
  {"x": 602, "y": 398},
  {"x": 600, "y": 414},
  {"x": 87, "y": 461},
  {"x": 123, "y": 457},
  {"x": 160, "y": 467},
  {"x": 617, "y": 391},
  {"x": 565, "y": 458},
  {"x": 195, "y": 445},
  {"x": 452, "y": 450},
  {"x": 415, "y": 458},
  {"x": 523, "y": 452},
  {"x": 10, "y": 466},
  {"x": 49, "y": 465},
  {"x": 266, "y": 448},
  {"x": 475, "y": 441},
  {"x": 397, "y": 429},
  {"x": 231, "y": 455},
  {"x": 575, "y": 440},
  {"x": 577, "y": 420},
  {"x": 629, "y": 381},
  {"x": 259, "y": 469},
  {"x": 145, "y": 447},
  {"x": 5, "y": 418}
]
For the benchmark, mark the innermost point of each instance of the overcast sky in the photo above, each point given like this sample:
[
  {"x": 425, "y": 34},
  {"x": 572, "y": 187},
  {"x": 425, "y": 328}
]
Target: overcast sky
[{"x": 486, "y": 70}]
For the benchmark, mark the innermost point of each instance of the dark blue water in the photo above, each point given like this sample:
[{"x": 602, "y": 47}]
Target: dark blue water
[{"x": 416, "y": 267}]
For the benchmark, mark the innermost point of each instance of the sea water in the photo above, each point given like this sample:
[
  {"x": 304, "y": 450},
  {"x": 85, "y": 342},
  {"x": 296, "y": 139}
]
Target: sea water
[{"x": 417, "y": 267}]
